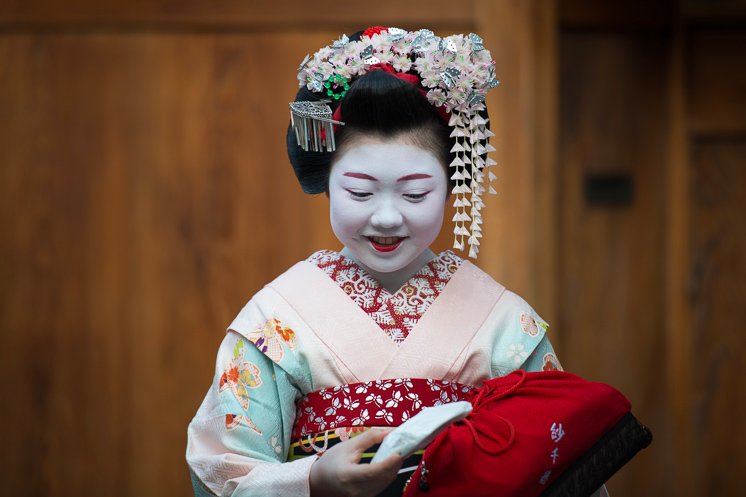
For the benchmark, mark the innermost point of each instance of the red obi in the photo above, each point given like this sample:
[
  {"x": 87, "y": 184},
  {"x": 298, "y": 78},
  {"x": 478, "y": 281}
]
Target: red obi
[{"x": 373, "y": 403}]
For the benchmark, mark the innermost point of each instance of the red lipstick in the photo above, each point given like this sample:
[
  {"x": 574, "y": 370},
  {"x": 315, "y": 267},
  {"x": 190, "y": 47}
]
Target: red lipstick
[{"x": 386, "y": 247}]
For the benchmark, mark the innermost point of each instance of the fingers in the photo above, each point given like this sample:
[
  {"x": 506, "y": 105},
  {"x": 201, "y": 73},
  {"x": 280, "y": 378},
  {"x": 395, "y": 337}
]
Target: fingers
[
  {"x": 393, "y": 462},
  {"x": 383, "y": 472},
  {"x": 386, "y": 469},
  {"x": 370, "y": 437},
  {"x": 338, "y": 471},
  {"x": 360, "y": 443}
]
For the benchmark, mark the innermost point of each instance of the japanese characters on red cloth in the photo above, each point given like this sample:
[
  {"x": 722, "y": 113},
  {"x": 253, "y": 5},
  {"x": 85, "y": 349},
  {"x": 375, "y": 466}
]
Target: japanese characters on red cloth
[
  {"x": 396, "y": 314},
  {"x": 373, "y": 403},
  {"x": 532, "y": 426}
]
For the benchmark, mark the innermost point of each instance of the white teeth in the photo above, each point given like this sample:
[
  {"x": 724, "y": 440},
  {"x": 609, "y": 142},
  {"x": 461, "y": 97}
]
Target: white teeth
[{"x": 385, "y": 240}]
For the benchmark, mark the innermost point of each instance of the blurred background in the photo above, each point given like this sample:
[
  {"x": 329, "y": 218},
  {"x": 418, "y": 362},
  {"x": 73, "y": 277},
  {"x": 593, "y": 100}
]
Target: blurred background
[{"x": 145, "y": 195}]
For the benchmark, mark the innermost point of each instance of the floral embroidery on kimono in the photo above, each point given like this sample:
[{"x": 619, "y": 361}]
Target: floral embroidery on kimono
[
  {"x": 270, "y": 337},
  {"x": 396, "y": 314},
  {"x": 517, "y": 352},
  {"x": 276, "y": 446},
  {"x": 240, "y": 376},
  {"x": 530, "y": 325},
  {"x": 551, "y": 363},
  {"x": 233, "y": 421}
]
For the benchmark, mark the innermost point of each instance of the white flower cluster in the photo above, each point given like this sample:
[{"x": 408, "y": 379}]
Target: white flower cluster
[{"x": 457, "y": 70}]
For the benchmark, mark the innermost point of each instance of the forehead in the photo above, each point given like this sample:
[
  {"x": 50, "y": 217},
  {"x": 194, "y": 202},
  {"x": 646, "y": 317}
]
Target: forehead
[{"x": 386, "y": 157}]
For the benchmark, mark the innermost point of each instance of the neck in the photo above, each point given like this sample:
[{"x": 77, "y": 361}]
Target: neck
[{"x": 394, "y": 280}]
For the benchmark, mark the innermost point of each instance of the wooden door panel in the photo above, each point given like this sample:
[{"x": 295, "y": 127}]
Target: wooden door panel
[
  {"x": 612, "y": 108},
  {"x": 717, "y": 275}
]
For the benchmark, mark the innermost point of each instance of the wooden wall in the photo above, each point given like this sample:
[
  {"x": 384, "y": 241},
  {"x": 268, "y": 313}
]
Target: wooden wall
[
  {"x": 651, "y": 288},
  {"x": 613, "y": 106},
  {"x": 145, "y": 195},
  {"x": 713, "y": 233}
]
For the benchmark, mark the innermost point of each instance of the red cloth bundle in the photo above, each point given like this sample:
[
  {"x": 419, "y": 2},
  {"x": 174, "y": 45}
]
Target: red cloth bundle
[{"x": 525, "y": 430}]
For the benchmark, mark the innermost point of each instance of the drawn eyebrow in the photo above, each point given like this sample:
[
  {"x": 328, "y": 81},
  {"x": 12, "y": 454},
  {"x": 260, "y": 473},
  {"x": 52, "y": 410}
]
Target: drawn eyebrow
[
  {"x": 360, "y": 176},
  {"x": 414, "y": 176}
]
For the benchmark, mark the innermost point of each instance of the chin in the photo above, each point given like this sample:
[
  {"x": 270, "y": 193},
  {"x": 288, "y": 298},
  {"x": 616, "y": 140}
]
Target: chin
[
  {"x": 385, "y": 263},
  {"x": 384, "y": 268}
]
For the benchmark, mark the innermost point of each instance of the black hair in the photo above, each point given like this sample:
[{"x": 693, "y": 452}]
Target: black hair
[{"x": 376, "y": 105}]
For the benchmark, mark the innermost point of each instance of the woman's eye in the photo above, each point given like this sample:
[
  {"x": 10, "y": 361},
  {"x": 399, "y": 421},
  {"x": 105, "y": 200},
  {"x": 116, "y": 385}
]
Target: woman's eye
[
  {"x": 360, "y": 195},
  {"x": 415, "y": 196}
]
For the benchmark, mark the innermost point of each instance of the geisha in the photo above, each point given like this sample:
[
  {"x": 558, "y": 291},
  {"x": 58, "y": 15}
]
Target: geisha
[{"x": 391, "y": 125}]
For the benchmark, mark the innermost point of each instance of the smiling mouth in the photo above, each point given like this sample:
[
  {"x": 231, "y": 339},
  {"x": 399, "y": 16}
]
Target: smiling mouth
[{"x": 385, "y": 243}]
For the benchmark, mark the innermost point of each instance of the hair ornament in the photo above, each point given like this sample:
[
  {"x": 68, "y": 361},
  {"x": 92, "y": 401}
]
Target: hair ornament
[
  {"x": 340, "y": 43},
  {"x": 454, "y": 73},
  {"x": 476, "y": 42},
  {"x": 313, "y": 125},
  {"x": 337, "y": 86}
]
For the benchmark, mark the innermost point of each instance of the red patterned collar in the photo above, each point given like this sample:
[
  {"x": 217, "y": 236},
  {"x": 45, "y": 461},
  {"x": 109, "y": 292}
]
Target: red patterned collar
[{"x": 395, "y": 313}]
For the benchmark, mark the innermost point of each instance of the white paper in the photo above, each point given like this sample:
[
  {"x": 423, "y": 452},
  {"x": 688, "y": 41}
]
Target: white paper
[{"x": 421, "y": 429}]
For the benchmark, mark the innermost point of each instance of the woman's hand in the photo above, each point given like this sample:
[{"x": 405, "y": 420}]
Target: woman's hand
[{"x": 338, "y": 473}]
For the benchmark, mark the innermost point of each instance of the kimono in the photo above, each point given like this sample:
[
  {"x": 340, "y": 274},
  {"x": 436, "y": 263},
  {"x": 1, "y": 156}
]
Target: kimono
[{"x": 325, "y": 331}]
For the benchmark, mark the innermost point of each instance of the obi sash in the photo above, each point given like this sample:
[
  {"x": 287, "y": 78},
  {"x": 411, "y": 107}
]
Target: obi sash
[{"x": 335, "y": 414}]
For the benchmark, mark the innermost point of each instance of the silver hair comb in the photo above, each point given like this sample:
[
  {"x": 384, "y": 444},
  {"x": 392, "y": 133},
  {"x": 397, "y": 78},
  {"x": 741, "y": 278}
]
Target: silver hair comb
[{"x": 313, "y": 125}]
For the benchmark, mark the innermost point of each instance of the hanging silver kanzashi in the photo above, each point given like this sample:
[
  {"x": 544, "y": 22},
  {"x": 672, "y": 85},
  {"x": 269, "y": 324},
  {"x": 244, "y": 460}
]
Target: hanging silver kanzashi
[{"x": 313, "y": 125}]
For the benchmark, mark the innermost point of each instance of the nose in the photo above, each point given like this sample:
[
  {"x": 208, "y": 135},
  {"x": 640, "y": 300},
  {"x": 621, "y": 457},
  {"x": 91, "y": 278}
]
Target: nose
[{"x": 386, "y": 216}]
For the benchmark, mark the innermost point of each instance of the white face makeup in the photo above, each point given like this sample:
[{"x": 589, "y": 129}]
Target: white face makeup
[{"x": 387, "y": 200}]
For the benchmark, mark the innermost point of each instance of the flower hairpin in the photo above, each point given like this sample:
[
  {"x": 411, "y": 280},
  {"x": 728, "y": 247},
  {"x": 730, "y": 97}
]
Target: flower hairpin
[{"x": 455, "y": 74}]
